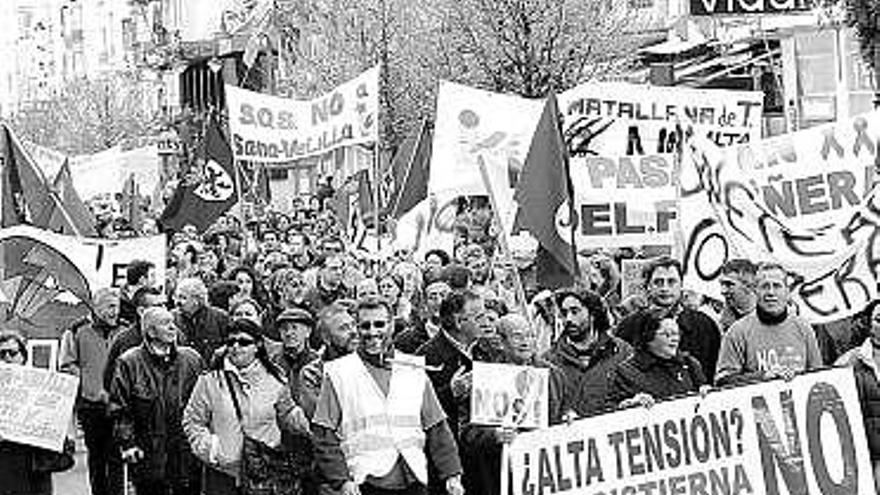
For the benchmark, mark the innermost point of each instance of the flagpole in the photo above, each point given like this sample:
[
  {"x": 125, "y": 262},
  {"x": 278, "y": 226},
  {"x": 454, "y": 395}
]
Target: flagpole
[
  {"x": 376, "y": 159},
  {"x": 505, "y": 242}
]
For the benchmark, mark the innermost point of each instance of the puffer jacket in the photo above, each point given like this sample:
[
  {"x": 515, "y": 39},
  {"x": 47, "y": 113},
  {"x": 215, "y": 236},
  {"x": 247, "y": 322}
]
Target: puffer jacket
[
  {"x": 587, "y": 375},
  {"x": 210, "y": 421},
  {"x": 147, "y": 398}
]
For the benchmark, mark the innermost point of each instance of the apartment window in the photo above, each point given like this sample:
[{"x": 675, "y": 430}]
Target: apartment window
[{"x": 641, "y": 4}]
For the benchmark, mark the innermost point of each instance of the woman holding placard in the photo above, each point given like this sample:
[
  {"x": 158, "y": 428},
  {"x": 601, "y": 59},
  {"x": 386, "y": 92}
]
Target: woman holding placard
[{"x": 27, "y": 470}]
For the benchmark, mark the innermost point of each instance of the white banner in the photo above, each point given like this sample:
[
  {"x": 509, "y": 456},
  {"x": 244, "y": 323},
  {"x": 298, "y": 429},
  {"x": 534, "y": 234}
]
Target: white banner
[
  {"x": 472, "y": 123},
  {"x": 800, "y": 437},
  {"x": 510, "y": 395},
  {"x": 623, "y": 137},
  {"x": 270, "y": 129},
  {"x": 36, "y": 406},
  {"x": 797, "y": 200}
]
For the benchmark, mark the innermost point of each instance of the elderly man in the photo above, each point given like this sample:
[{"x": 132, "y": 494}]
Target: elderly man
[
  {"x": 772, "y": 342},
  {"x": 203, "y": 326},
  {"x": 378, "y": 419},
  {"x": 150, "y": 389},
  {"x": 295, "y": 326},
  {"x": 84, "y": 353}
]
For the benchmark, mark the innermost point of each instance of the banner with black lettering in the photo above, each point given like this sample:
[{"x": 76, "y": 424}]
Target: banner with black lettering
[
  {"x": 798, "y": 437},
  {"x": 48, "y": 279},
  {"x": 622, "y": 138},
  {"x": 805, "y": 200},
  {"x": 270, "y": 129}
]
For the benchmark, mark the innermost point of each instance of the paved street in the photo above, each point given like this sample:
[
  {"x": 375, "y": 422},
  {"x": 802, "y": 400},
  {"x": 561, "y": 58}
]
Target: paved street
[{"x": 75, "y": 481}]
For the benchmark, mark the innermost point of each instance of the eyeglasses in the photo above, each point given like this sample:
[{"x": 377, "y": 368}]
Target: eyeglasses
[
  {"x": 243, "y": 342},
  {"x": 366, "y": 325},
  {"x": 9, "y": 353}
]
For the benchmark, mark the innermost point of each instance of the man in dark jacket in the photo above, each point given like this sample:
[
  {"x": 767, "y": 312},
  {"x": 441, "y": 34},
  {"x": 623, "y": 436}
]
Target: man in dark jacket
[
  {"x": 328, "y": 286},
  {"x": 586, "y": 352},
  {"x": 204, "y": 326},
  {"x": 138, "y": 274},
  {"x": 150, "y": 389},
  {"x": 295, "y": 325},
  {"x": 700, "y": 336},
  {"x": 463, "y": 318}
]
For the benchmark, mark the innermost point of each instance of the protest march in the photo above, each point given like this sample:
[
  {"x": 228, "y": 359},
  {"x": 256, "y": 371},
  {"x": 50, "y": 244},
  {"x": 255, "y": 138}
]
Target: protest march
[{"x": 610, "y": 289}]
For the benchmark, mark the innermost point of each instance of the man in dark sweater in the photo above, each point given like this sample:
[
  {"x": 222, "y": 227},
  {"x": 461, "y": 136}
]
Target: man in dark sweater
[{"x": 700, "y": 336}]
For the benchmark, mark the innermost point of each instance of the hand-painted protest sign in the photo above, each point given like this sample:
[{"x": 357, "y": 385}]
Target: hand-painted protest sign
[
  {"x": 472, "y": 123},
  {"x": 270, "y": 129},
  {"x": 798, "y": 437},
  {"x": 510, "y": 395},
  {"x": 797, "y": 200},
  {"x": 48, "y": 279},
  {"x": 428, "y": 225},
  {"x": 36, "y": 406},
  {"x": 622, "y": 139}
]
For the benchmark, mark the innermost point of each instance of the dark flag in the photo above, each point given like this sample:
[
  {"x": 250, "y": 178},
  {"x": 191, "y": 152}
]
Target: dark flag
[
  {"x": 208, "y": 190},
  {"x": 409, "y": 172},
  {"x": 76, "y": 209},
  {"x": 543, "y": 187},
  {"x": 27, "y": 198}
]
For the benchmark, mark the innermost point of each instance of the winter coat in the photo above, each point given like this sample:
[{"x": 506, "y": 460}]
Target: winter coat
[
  {"x": 210, "y": 421},
  {"x": 205, "y": 330},
  {"x": 147, "y": 398},
  {"x": 867, "y": 373},
  {"x": 586, "y": 377},
  {"x": 661, "y": 378}
]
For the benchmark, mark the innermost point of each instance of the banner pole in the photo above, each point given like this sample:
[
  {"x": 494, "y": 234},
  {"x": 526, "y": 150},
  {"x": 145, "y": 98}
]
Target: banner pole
[
  {"x": 505, "y": 469},
  {"x": 376, "y": 179},
  {"x": 505, "y": 243}
]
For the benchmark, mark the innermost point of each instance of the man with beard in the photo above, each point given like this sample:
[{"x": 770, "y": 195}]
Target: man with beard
[
  {"x": 772, "y": 342},
  {"x": 738, "y": 289},
  {"x": 337, "y": 331},
  {"x": 586, "y": 352},
  {"x": 700, "y": 336},
  {"x": 378, "y": 423},
  {"x": 84, "y": 351}
]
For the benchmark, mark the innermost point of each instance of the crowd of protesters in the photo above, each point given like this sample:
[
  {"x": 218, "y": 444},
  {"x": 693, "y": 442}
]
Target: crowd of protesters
[{"x": 279, "y": 331}]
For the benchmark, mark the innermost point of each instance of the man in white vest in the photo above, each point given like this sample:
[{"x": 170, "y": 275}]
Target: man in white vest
[{"x": 378, "y": 420}]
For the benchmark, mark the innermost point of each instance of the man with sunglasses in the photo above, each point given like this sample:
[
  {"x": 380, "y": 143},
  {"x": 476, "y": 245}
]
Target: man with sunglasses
[
  {"x": 378, "y": 420},
  {"x": 150, "y": 388}
]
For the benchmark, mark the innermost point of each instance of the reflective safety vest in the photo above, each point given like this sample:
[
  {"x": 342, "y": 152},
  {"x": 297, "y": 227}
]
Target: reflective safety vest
[{"x": 376, "y": 429}]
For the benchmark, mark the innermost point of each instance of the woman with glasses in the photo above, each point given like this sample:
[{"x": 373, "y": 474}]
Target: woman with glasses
[
  {"x": 658, "y": 369},
  {"x": 26, "y": 470},
  {"x": 243, "y": 394}
]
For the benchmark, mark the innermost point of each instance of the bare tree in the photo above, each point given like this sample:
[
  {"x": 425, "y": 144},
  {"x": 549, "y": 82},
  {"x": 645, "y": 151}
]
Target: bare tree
[
  {"x": 864, "y": 17},
  {"x": 526, "y": 47},
  {"x": 89, "y": 115}
]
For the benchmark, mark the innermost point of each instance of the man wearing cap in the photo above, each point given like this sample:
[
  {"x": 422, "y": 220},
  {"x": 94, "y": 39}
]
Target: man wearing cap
[
  {"x": 378, "y": 421},
  {"x": 150, "y": 388},
  {"x": 84, "y": 351},
  {"x": 295, "y": 326}
]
